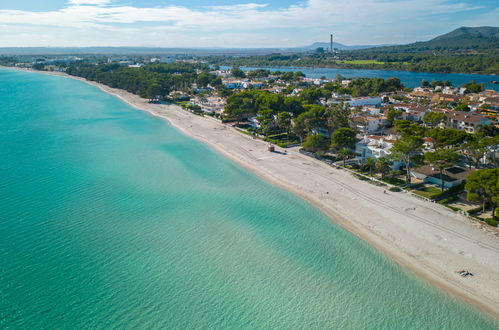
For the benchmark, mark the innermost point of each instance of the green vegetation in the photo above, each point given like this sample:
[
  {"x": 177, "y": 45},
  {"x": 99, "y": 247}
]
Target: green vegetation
[
  {"x": 362, "y": 62},
  {"x": 483, "y": 186},
  {"x": 316, "y": 143},
  {"x": 149, "y": 81},
  {"x": 406, "y": 150},
  {"x": 427, "y": 191}
]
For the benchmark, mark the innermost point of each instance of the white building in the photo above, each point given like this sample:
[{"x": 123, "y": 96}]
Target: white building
[{"x": 375, "y": 146}]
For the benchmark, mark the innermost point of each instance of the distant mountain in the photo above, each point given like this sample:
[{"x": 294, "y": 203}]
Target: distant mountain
[{"x": 463, "y": 39}]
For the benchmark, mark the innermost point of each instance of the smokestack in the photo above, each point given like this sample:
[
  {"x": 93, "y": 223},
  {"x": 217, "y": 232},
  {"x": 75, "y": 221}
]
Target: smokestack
[{"x": 331, "y": 49}]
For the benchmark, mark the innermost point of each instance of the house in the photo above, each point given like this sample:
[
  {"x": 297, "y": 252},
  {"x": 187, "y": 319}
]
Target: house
[
  {"x": 370, "y": 124},
  {"x": 466, "y": 121},
  {"x": 211, "y": 104},
  {"x": 254, "y": 123},
  {"x": 233, "y": 84},
  {"x": 440, "y": 98},
  {"x": 375, "y": 146},
  {"x": 371, "y": 111},
  {"x": 452, "y": 176},
  {"x": 411, "y": 112},
  {"x": 420, "y": 93},
  {"x": 345, "y": 83}
]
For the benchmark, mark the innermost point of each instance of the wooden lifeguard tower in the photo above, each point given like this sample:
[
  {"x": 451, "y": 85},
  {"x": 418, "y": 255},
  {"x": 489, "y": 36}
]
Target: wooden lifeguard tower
[{"x": 271, "y": 147}]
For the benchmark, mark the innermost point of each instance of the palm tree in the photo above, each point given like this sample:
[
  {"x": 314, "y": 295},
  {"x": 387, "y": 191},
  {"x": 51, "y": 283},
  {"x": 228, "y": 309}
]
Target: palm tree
[
  {"x": 344, "y": 154},
  {"x": 370, "y": 163},
  {"x": 383, "y": 166}
]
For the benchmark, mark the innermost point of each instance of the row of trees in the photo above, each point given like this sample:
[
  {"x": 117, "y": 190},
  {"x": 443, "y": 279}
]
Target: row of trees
[
  {"x": 419, "y": 62},
  {"x": 148, "y": 81}
]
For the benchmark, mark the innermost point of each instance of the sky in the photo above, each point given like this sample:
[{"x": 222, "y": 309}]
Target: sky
[{"x": 236, "y": 23}]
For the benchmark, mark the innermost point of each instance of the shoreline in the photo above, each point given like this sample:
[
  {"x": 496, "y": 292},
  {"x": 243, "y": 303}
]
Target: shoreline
[{"x": 431, "y": 241}]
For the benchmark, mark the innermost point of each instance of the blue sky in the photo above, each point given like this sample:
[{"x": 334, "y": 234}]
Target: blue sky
[{"x": 237, "y": 23}]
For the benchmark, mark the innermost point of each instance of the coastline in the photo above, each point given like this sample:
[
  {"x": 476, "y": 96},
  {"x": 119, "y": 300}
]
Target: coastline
[{"x": 430, "y": 241}]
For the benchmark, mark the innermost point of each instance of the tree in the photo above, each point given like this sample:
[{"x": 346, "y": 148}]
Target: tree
[
  {"x": 434, "y": 118},
  {"x": 153, "y": 91},
  {"x": 343, "y": 138},
  {"x": 462, "y": 107},
  {"x": 338, "y": 117},
  {"x": 266, "y": 119},
  {"x": 316, "y": 143},
  {"x": 370, "y": 163},
  {"x": 425, "y": 83},
  {"x": 406, "y": 149},
  {"x": 344, "y": 154},
  {"x": 441, "y": 159},
  {"x": 383, "y": 166},
  {"x": 240, "y": 106},
  {"x": 393, "y": 114},
  {"x": 407, "y": 128},
  {"x": 473, "y": 87},
  {"x": 236, "y": 72},
  {"x": 311, "y": 95},
  {"x": 284, "y": 121},
  {"x": 293, "y": 104},
  {"x": 475, "y": 149},
  {"x": 483, "y": 186},
  {"x": 447, "y": 137}
]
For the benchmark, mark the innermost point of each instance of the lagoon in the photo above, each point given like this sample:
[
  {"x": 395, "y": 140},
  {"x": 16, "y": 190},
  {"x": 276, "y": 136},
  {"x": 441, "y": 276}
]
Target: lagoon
[{"x": 409, "y": 79}]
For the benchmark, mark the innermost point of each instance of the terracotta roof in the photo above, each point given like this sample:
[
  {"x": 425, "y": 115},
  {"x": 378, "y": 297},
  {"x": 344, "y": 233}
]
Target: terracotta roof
[{"x": 465, "y": 116}]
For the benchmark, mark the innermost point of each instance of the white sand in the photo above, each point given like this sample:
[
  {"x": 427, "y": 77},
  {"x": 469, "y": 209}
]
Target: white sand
[{"x": 431, "y": 241}]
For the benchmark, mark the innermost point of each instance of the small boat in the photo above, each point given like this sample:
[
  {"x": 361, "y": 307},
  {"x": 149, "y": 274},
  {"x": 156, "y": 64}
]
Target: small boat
[{"x": 494, "y": 82}]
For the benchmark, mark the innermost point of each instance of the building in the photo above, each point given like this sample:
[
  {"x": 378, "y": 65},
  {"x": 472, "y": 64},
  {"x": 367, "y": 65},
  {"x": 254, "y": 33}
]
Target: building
[
  {"x": 441, "y": 98},
  {"x": 451, "y": 177},
  {"x": 411, "y": 112},
  {"x": 211, "y": 104},
  {"x": 375, "y": 146},
  {"x": 466, "y": 121},
  {"x": 370, "y": 124}
]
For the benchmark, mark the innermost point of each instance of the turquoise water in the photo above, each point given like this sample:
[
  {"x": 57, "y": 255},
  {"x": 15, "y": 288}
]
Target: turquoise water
[
  {"x": 409, "y": 79},
  {"x": 111, "y": 218}
]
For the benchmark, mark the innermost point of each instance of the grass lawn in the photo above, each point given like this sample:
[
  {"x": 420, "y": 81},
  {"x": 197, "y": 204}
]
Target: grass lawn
[
  {"x": 362, "y": 62},
  {"x": 395, "y": 181},
  {"x": 428, "y": 192}
]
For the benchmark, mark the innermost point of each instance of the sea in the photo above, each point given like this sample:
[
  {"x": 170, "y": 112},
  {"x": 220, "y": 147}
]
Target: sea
[{"x": 112, "y": 219}]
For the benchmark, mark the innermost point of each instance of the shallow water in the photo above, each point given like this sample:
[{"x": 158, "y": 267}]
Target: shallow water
[{"x": 112, "y": 218}]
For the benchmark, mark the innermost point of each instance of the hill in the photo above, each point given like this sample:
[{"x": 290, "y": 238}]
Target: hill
[{"x": 463, "y": 39}]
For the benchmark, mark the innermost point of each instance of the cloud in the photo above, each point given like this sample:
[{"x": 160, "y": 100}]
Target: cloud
[
  {"x": 249, "y": 25},
  {"x": 89, "y": 2}
]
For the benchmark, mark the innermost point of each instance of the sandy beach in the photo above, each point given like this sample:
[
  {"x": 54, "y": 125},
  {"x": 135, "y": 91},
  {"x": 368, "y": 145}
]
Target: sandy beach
[{"x": 426, "y": 238}]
